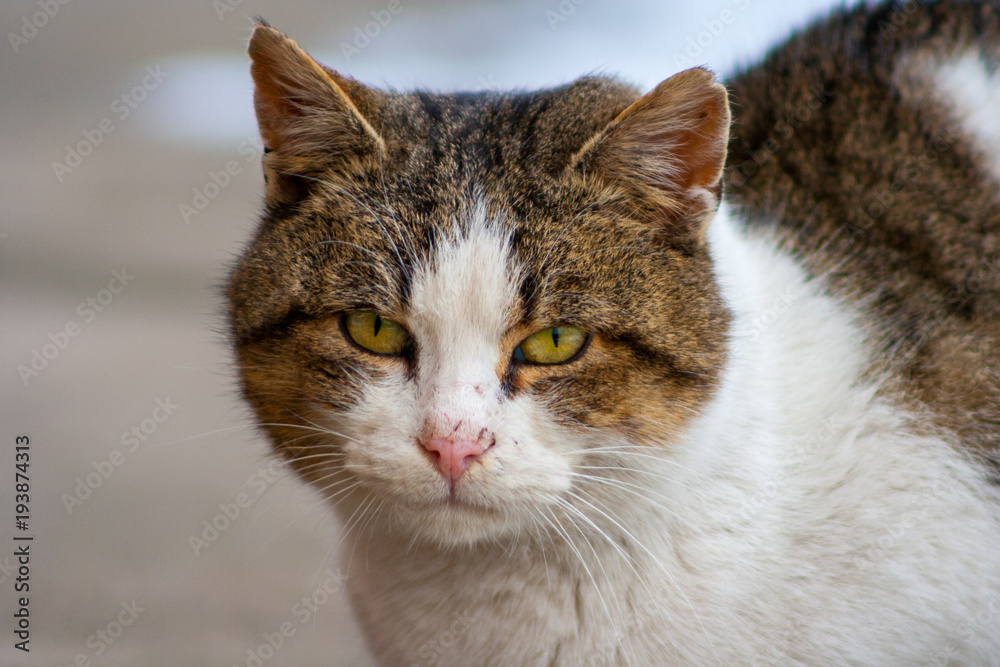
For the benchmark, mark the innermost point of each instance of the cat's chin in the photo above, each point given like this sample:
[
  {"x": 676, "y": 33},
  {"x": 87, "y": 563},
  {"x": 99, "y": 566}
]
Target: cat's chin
[{"x": 456, "y": 523}]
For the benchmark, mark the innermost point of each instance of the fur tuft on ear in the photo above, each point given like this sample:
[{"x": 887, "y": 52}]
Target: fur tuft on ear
[
  {"x": 668, "y": 147},
  {"x": 310, "y": 117}
]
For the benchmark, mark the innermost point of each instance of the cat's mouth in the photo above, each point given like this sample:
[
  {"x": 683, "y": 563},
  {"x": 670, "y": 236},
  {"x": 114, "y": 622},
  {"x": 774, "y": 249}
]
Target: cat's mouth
[
  {"x": 454, "y": 520},
  {"x": 452, "y": 501}
]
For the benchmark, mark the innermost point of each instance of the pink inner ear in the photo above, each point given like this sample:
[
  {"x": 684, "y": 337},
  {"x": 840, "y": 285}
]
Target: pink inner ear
[
  {"x": 281, "y": 73},
  {"x": 671, "y": 142},
  {"x": 684, "y": 125}
]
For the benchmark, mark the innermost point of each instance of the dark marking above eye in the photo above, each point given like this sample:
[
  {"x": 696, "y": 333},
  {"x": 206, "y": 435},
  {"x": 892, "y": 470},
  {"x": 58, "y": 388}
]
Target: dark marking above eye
[
  {"x": 665, "y": 360},
  {"x": 529, "y": 294},
  {"x": 276, "y": 328}
]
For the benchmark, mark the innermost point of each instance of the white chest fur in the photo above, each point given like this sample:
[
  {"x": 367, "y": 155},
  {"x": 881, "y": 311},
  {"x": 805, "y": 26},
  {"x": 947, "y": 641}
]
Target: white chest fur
[{"x": 800, "y": 521}]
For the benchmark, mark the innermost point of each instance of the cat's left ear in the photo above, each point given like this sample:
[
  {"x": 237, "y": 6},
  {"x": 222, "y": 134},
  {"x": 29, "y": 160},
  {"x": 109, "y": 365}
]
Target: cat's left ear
[
  {"x": 311, "y": 118},
  {"x": 668, "y": 148}
]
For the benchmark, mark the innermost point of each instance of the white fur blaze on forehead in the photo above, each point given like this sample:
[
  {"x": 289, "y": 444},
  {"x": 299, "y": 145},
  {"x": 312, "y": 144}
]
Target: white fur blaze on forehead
[{"x": 461, "y": 302}]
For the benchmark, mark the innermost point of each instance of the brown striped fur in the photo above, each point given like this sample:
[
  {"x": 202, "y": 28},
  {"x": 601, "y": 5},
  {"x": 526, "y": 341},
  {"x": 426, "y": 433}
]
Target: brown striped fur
[{"x": 871, "y": 183}]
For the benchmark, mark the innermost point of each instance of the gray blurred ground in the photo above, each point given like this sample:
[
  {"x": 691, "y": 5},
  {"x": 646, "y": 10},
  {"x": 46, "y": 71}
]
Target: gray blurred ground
[{"x": 64, "y": 234}]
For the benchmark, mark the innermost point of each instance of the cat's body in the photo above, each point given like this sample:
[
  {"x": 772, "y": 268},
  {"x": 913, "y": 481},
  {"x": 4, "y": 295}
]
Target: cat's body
[{"x": 774, "y": 446}]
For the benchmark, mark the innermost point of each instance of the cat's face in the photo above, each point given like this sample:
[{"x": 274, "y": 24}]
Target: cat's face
[{"x": 458, "y": 306}]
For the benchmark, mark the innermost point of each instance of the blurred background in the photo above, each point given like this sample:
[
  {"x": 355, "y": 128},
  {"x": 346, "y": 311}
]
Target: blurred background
[{"x": 163, "y": 534}]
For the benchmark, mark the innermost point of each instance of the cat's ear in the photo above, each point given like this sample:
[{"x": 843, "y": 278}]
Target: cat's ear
[
  {"x": 310, "y": 117},
  {"x": 668, "y": 148}
]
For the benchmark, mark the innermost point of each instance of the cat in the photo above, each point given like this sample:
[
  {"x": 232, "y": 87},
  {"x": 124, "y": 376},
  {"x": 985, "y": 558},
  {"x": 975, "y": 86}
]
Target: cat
[{"x": 575, "y": 405}]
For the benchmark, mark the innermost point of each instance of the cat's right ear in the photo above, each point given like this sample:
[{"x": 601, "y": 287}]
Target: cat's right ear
[
  {"x": 668, "y": 150},
  {"x": 311, "y": 118}
]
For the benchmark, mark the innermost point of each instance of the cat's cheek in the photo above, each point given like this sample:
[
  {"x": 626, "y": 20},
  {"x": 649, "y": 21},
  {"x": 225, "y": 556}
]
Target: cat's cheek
[
  {"x": 388, "y": 463},
  {"x": 388, "y": 466},
  {"x": 375, "y": 435},
  {"x": 518, "y": 474}
]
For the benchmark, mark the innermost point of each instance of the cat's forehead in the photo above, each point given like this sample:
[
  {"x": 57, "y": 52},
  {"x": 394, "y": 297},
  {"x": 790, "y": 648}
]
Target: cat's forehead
[
  {"x": 538, "y": 128},
  {"x": 464, "y": 296},
  {"x": 526, "y": 245},
  {"x": 476, "y": 253},
  {"x": 454, "y": 162},
  {"x": 499, "y": 242}
]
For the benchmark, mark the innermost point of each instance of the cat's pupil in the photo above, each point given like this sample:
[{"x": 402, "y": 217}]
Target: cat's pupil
[
  {"x": 378, "y": 324},
  {"x": 555, "y": 336}
]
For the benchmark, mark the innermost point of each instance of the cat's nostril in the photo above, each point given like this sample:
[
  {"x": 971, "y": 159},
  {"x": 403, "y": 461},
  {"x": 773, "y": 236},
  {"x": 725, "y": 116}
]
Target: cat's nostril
[{"x": 452, "y": 457}]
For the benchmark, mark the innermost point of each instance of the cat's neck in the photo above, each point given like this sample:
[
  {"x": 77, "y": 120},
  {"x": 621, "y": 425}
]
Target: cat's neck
[{"x": 796, "y": 363}]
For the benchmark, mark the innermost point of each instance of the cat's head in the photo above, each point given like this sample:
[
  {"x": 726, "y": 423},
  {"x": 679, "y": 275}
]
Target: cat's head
[{"x": 455, "y": 304}]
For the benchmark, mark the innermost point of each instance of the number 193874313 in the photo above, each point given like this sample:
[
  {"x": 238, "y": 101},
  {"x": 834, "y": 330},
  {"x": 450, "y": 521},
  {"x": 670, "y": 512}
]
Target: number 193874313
[{"x": 22, "y": 482}]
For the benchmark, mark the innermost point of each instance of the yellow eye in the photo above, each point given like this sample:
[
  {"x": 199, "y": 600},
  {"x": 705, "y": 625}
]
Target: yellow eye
[
  {"x": 551, "y": 346},
  {"x": 375, "y": 333}
]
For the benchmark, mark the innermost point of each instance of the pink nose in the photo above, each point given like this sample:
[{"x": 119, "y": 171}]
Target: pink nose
[{"x": 453, "y": 457}]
